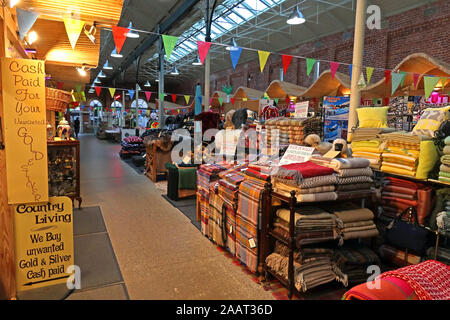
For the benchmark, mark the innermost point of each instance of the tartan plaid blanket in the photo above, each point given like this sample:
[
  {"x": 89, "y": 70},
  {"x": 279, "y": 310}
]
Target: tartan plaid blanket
[
  {"x": 255, "y": 174},
  {"x": 216, "y": 220},
  {"x": 249, "y": 201},
  {"x": 234, "y": 170},
  {"x": 230, "y": 229}
]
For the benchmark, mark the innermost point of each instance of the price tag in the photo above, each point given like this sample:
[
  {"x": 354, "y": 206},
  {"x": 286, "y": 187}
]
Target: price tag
[
  {"x": 252, "y": 243},
  {"x": 296, "y": 154},
  {"x": 332, "y": 154}
]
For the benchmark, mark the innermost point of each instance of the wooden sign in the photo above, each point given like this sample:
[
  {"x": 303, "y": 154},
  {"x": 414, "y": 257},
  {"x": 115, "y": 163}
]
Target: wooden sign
[
  {"x": 44, "y": 242},
  {"x": 25, "y": 130},
  {"x": 296, "y": 154}
]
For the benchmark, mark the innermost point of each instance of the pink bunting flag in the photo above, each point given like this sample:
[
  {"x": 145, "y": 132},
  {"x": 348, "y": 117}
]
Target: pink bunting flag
[
  {"x": 334, "y": 66},
  {"x": 416, "y": 79},
  {"x": 203, "y": 49},
  {"x": 148, "y": 94}
]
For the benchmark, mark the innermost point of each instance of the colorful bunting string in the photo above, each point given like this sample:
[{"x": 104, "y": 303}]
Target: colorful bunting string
[
  {"x": 169, "y": 44},
  {"x": 235, "y": 55},
  {"x": 203, "y": 49},
  {"x": 334, "y": 67},
  {"x": 263, "y": 56},
  {"x": 73, "y": 29},
  {"x": 310, "y": 62},
  {"x": 369, "y": 73},
  {"x": 286, "y": 62},
  {"x": 119, "y": 36}
]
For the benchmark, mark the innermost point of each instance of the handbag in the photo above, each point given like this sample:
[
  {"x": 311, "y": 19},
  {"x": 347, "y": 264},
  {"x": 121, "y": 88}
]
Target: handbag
[{"x": 407, "y": 235}]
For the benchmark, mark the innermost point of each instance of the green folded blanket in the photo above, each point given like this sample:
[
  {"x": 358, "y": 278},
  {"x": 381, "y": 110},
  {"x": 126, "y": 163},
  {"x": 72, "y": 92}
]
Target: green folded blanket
[
  {"x": 444, "y": 174},
  {"x": 444, "y": 179},
  {"x": 445, "y": 159},
  {"x": 187, "y": 178}
]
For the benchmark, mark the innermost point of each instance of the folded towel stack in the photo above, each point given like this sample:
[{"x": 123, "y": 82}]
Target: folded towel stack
[
  {"x": 444, "y": 169},
  {"x": 312, "y": 267},
  {"x": 366, "y": 143},
  {"x": 312, "y": 225}
]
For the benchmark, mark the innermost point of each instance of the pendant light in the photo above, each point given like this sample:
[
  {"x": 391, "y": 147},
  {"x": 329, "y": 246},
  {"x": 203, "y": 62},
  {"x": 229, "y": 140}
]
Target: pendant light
[
  {"x": 147, "y": 84},
  {"x": 97, "y": 81},
  {"x": 101, "y": 75},
  {"x": 197, "y": 62},
  {"x": 107, "y": 66},
  {"x": 232, "y": 46},
  {"x": 115, "y": 54},
  {"x": 174, "y": 71},
  {"x": 296, "y": 17},
  {"x": 131, "y": 33}
]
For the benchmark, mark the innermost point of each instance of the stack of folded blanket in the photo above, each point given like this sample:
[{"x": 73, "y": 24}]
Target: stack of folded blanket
[
  {"x": 312, "y": 267},
  {"x": 443, "y": 221},
  {"x": 312, "y": 225},
  {"x": 351, "y": 262},
  {"x": 396, "y": 256},
  {"x": 399, "y": 194},
  {"x": 366, "y": 143},
  {"x": 444, "y": 169},
  {"x": 310, "y": 181},
  {"x": 291, "y": 131},
  {"x": 207, "y": 176},
  {"x": 216, "y": 220},
  {"x": 353, "y": 222}
]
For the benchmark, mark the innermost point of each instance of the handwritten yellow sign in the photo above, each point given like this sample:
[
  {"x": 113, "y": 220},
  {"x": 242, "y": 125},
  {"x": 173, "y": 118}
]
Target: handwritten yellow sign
[
  {"x": 25, "y": 130},
  {"x": 44, "y": 243}
]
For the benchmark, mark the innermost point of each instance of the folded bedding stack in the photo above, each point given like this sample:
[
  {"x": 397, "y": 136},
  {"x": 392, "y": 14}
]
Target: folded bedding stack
[
  {"x": 399, "y": 194},
  {"x": 366, "y": 143},
  {"x": 444, "y": 169},
  {"x": 351, "y": 262},
  {"x": 310, "y": 181},
  {"x": 312, "y": 267},
  {"x": 353, "y": 222},
  {"x": 216, "y": 220},
  {"x": 207, "y": 176},
  {"x": 397, "y": 257},
  {"x": 312, "y": 225}
]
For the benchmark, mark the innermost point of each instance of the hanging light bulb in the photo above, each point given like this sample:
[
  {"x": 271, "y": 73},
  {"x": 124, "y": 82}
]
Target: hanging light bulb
[
  {"x": 101, "y": 75},
  {"x": 174, "y": 72},
  {"x": 296, "y": 17},
  {"x": 197, "y": 62},
  {"x": 115, "y": 54},
  {"x": 131, "y": 33},
  {"x": 147, "y": 84},
  {"x": 107, "y": 66},
  {"x": 233, "y": 45},
  {"x": 82, "y": 71},
  {"x": 32, "y": 37},
  {"x": 12, "y": 3},
  {"x": 157, "y": 80}
]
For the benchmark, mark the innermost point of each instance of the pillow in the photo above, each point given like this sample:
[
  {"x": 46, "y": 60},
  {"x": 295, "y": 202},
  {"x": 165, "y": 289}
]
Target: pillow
[
  {"x": 372, "y": 117},
  {"x": 430, "y": 121},
  {"x": 427, "y": 159}
]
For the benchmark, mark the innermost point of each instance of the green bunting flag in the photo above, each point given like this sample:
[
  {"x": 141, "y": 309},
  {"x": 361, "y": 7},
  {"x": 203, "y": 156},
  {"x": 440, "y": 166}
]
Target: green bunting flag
[
  {"x": 430, "y": 83},
  {"x": 161, "y": 96},
  {"x": 404, "y": 77},
  {"x": 169, "y": 44},
  {"x": 276, "y": 100},
  {"x": 310, "y": 62},
  {"x": 78, "y": 87},
  {"x": 369, "y": 73},
  {"x": 396, "y": 80},
  {"x": 220, "y": 100}
]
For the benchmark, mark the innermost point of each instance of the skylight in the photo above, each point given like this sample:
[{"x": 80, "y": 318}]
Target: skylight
[{"x": 224, "y": 21}]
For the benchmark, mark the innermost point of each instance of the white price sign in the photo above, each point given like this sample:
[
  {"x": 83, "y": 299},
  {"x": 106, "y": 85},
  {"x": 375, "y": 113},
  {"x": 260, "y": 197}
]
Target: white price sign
[
  {"x": 301, "y": 109},
  {"x": 296, "y": 154}
]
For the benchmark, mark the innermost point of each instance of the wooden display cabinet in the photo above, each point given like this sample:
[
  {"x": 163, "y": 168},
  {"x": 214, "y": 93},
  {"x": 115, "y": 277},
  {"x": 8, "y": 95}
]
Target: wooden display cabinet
[{"x": 64, "y": 169}]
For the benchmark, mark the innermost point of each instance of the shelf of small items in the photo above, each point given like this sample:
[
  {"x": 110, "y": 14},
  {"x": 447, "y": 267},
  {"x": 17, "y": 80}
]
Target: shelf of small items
[
  {"x": 64, "y": 168},
  {"x": 293, "y": 242}
]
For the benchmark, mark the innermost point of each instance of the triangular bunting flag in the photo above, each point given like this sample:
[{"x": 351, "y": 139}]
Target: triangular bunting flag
[
  {"x": 288, "y": 100},
  {"x": 369, "y": 73},
  {"x": 244, "y": 99},
  {"x": 161, "y": 96},
  {"x": 111, "y": 91},
  {"x": 266, "y": 96},
  {"x": 220, "y": 100},
  {"x": 235, "y": 55},
  {"x": 286, "y": 62},
  {"x": 444, "y": 81},
  {"x": 362, "y": 81},
  {"x": 403, "y": 78},
  {"x": 203, "y": 48},
  {"x": 25, "y": 20},
  {"x": 169, "y": 44},
  {"x": 334, "y": 66},
  {"x": 148, "y": 94},
  {"x": 350, "y": 69},
  {"x": 73, "y": 29},
  {"x": 78, "y": 87},
  {"x": 416, "y": 79},
  {"x": 131, "y": 93},
  {"x": 98, "y": 90},
  {"x": 187, "y": 98},
  {"x": 210, "y": 101},
  {"x": 387, "y": 75},
  {"x": 232, "y": 101},
  {"x": 396, "y": 80},
  {"x": 276, "y": 100},
  {"x": 263, "y": 56},
  {"x": 174, "y": 97},
  {"x": 119, "y": 36},
  {"x": 429, "y": 84},
  {"x": 310, "y": 62}
]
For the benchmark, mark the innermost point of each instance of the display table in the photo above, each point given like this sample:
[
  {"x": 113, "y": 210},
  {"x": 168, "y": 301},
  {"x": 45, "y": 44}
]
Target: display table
[{"x": 64, "y": 169}]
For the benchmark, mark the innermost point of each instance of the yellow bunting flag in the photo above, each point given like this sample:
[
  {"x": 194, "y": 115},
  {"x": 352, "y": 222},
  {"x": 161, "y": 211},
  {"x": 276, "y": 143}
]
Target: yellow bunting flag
[
  {"x": 263, "y": 56},
  {"x": 73, "y": 29},
  {"x": 112, "y": 91},
  {"x": 369, "y": 72},
  {"x": 187, "y": 98},
  {"x": 244, "y": 99}
]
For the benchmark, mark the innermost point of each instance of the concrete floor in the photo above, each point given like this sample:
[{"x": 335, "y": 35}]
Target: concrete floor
[{"x": 160, "y": 253}]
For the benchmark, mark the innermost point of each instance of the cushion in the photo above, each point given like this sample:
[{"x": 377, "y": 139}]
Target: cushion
[
  {"x": 431, "y": 120},
  {"x": 372, "y": 117},
  {"x": 427, "y": 159}
]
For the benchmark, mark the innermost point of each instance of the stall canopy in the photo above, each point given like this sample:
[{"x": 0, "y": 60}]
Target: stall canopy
[
  {"x": 419, "y": 63},
  {"x": 326, "y": 85},
  {"x": 281, "y": 90},
  {"x": 247, "y": 93},
  {"x": 215, "y": 103}
]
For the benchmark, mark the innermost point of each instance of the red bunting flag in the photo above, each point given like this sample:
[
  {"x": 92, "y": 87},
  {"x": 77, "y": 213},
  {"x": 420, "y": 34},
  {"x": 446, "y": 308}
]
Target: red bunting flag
[
  {"x": 334, "y": 66},
  {"x": 119, "y": 36},
  {"x": 203, "y": 49},
  {"x": 416, "y": 79},
  {"x": 174, "y": 97},
  {"x": 288, "y": 100},
  {"x": 148, "y": 94},
  {"x": 286, "y": 62},
  {"x": 387, "y": 75},
  {"x": 232, "y": 101},
  {"x": 98, "y": 90}
]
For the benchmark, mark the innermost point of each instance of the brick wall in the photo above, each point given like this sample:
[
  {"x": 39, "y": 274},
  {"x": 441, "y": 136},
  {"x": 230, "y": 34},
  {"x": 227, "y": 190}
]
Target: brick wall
[{"x": 423, "y": 29}]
